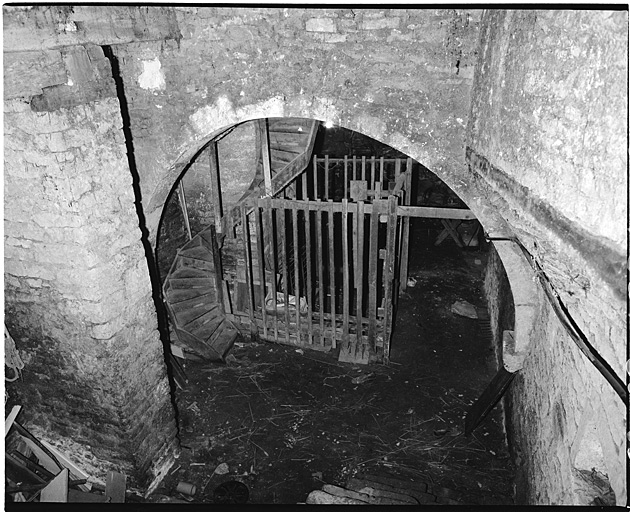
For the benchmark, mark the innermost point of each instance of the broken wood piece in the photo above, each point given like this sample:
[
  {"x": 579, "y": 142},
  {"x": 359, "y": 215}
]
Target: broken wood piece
[
  {"x": 488, "y": 399},
  {"x": 8, "y": 422},
  {"x": 115, "y": 487},
  {"x": 57, "y": 490}
]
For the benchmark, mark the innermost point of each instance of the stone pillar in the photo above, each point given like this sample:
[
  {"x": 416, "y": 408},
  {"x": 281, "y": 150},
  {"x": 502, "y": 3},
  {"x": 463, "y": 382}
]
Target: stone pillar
[{"x": 78, "y": 298}]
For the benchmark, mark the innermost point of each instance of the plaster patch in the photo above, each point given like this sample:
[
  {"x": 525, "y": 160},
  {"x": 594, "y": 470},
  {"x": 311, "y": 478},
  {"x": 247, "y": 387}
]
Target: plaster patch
[
  {"x": 152, "y": 76},
  {"x": 222, "y": 113}
]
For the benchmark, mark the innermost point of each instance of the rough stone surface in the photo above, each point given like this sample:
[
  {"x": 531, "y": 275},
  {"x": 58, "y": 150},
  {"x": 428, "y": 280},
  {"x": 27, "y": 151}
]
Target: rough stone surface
[
  {"x": 544, "y": 121},
  {"x": 77, "y": 291}
]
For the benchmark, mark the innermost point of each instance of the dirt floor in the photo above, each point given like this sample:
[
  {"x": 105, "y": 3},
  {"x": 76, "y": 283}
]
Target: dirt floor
[{"x": 285, "y": 421}]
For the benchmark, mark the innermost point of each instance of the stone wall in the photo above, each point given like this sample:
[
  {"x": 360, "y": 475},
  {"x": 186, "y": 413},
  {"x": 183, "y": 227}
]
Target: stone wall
[
  {"x": 78, "y": 297},
  {"x": 401, "y": 76},
  {"x": 546, "y": 136}
]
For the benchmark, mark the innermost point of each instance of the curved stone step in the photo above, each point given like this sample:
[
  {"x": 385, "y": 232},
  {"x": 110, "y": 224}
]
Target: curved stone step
[
  {"x": 191, "y": 282},
  {"x": 205, "y": 332},
  {"x": 185, "y": 317},
  {"x": 198, "y": 253},
  {"x": 186, "y": 273},
  {"x": 185, "y": 261},
  {"x": 187, "y": 296},
  {"x": 209, "y": 316}
]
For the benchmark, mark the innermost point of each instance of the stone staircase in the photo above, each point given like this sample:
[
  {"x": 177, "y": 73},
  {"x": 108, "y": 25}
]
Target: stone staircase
[
  {"x": 193, "y": 302},
  {"x": 192, "y": 289}
]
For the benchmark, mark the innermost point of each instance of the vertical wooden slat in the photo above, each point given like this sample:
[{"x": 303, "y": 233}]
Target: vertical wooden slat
[
  {"x": 373, "y": 175},
  {"x": 358, "y": 283},
  {"x": 354, "y": 167},
  {"x": 266, "y": 158},
  {"x": 331, "y": 264},
  {"x": 309, "y": 276},
  {"x": 326, "y": 182},
  {"x": 345, "y": 176},
  {"x": 248, "y": 270},
  {"x": 260, "y": 242},
  {"x": 363, "y": 169},
  {"x": 388, "y": 273},
  {"x": 373, "y": 273},
  {"x": 404, "y": 252},
  {"x": 304, "y": 180},
  {"x": 320, "y": 270},
  {"x": 218, "y": 269},
  {"x": 182, "y": 204},
  {"x": 281, "y": 217},
  {"x": 215, "y": 186},
  {"x": 346, "y": 271},
  {"x": 315, "y": 178},
  {"x": 355, "y": 234},
  {"x": 296, "y": 271},
  {"x": 270, "y": 230},
  {"x": 381, "y": 176}
]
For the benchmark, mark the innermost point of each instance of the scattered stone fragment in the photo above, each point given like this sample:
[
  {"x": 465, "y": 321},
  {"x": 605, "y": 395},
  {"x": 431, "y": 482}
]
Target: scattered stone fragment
[{"x": 463, "y": 308}]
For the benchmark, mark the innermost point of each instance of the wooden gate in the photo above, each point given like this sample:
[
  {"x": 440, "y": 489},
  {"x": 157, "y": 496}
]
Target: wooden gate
[{"x": 328, "y": 272}]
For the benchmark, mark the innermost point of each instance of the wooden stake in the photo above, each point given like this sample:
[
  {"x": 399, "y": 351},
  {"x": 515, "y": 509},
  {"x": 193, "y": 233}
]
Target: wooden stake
[
  {"x": 326, "y": 178},
  {"x": 260, "y": 243},
  {"x": 281, "y": 213},
  {"x": 346, "y": 271},
  {"x": 388, "y": 273},
  {"x": 248, "y": 271},
  {"x": 373, "y": 273},
  {"x": 332, "y": 264},
  {"x": 309, "y": 277},
  {"x": 296, "y": 271},
  {"x": 358, "y": 249},
  {"x": 320, "y": 270},
  {"x": 270, "y": 229}
]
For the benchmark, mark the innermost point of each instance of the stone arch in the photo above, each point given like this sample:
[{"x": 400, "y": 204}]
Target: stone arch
[{"x": 211, "y": 120}]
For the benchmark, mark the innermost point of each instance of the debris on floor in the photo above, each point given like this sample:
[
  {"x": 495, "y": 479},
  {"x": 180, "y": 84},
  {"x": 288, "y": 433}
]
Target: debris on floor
[
  {"x": 36, "y": 472},
  {"x": 463, "y": 308}
]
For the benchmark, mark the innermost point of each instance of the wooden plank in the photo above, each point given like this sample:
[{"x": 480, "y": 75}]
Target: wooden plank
[
  {"x": 248, "y": 266},
  {"x": 363, "y": 169},
  {"x": 304, "y": 182},
  {"x": 346, "y": 271},
  {"x": 449, "y": 229},
  {"x": 182, "y": 203},
  {"x": 388, "y": 273},
  {"x": 115, "y": 487},
  {"x": 435, "y": 213},
  {"x": 404, "y": 251},
  {"x": 296, "y": 270},
  {"x": 320, "y": 269},
  {"x": 215, "y": 186},
  {"x": 326, "y": 177},
  {"x": 269, "y": 228},
  {"x": 280, "y": 217},
  {"x": 345, "y": 176},
  {"x": 8, "y": 422},
  {"x": 57, "y": 490},
  {"x": 331, "y": 264},
  {"x": 373, "y": 173},
  {"x": 265, "y": 155},
  {"x": 309, "y": 271},
  {"x": 488, "y": 399},
  {"x": 261, "y": 266},
  {"x": 315, "y": 178},
  {"x": 218, "y": 269},
  {"x": 373, "y": 273},
  {"x": 358, "y": 249}
]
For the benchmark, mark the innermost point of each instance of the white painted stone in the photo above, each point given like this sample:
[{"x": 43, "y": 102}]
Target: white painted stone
[
  {"x": 152, "y": 77},
  {"x": 320, "y": 25}
]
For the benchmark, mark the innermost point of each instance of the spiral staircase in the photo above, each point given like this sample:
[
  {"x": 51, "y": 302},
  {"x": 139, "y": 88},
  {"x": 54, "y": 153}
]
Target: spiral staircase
[{"x": 193, "y": 289}]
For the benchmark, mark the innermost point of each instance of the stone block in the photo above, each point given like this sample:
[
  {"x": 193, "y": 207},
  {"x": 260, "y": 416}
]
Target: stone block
[
  {"x": 381, "y": 23},
  {"x": 320, "y": 25}
]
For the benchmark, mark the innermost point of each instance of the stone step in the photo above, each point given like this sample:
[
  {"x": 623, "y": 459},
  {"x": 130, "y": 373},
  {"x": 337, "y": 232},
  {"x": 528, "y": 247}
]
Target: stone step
[
  {"x": 188, "y": 272},
  {"x": 190, "y": 282},
  {"x": 198, "y": 253},
  {"x": 209, "y": 316}
]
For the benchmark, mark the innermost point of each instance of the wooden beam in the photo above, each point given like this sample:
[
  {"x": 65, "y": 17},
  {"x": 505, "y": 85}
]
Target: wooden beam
[
  {"x": 182, "y": 203},
  {"x": 215, "y": 185},
  {"x": 265, "y": 155}
]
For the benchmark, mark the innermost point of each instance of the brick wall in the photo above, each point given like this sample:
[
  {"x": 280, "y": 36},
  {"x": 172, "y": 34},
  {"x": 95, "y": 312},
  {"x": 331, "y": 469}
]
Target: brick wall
[
  {"x": 78, "y": 298},
  {"x": 545, "y": 136}
]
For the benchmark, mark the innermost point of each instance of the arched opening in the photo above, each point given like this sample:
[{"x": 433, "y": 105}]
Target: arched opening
[{"x": 442, "y": 349}]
